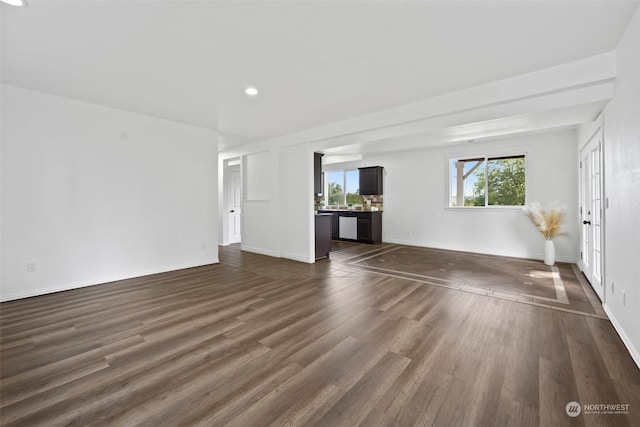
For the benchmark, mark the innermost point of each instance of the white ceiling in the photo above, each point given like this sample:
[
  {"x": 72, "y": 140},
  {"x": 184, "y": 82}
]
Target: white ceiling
[{"x": 314, "y": 62}]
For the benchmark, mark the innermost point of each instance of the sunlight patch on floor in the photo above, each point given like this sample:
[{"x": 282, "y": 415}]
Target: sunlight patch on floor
[{"x": 539, "y": 274}]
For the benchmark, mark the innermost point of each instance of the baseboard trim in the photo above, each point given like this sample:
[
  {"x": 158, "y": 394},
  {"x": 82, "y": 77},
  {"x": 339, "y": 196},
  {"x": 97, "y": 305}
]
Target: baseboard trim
[
  {"x": 100, "y": 281},
  {"x": 296, "y": 257},
  {"x": 635, "y": 355},
  {"x": 260, "y": 251}
]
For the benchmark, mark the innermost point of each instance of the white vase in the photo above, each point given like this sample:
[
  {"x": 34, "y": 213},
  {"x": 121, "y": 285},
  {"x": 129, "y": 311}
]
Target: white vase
[{"x": 549, "y": 252}]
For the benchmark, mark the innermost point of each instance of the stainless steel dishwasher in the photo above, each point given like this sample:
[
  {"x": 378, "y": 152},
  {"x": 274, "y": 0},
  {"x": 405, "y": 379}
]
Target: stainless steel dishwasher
[{"x": 348, "y": 227}]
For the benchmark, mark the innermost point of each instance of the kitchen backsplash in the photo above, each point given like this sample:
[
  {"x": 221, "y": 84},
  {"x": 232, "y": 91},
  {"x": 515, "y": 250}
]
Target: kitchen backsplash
[{"x": 376, "y": 202}]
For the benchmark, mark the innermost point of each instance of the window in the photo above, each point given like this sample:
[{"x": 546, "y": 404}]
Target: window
[
  {"x": 343, "y": 188},
  {"x": 487, "y": 181}
]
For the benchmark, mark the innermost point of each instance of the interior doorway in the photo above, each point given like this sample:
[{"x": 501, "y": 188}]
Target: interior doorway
[
  {"x": 235, "y": 201},
  {"x": 591, "y": 212},
  {"x": 231, "y": 201}
]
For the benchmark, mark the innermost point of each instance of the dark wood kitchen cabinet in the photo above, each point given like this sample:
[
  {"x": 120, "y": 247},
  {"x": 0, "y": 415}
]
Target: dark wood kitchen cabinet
[
  {"x": 335, "y": 226},
  {"x": 370, "y": 227},
  {"x": 318, "y": 188},
  {"x": 364, "y": 229},
  {"x": 323, "y": 235},
  {"x": 371, "y": 180},
  {"x": 335, "y": 222}
]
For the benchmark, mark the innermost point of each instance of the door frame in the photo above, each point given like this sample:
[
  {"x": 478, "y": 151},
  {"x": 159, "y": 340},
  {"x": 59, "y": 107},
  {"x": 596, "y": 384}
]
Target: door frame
[
  {"x": 597, "y": 132},
  {"x": 224, "y": 199},
  {"x": 233, "y": 238}
]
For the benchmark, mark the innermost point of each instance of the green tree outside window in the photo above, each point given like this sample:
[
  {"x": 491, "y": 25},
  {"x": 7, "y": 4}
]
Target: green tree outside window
[
  {"x": 505, "y": 183},
  {"x": 488, "y": 181}
]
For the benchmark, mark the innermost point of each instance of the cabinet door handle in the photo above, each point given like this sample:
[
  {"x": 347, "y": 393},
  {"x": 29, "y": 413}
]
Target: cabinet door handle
[{"x": 586, "y": 222}]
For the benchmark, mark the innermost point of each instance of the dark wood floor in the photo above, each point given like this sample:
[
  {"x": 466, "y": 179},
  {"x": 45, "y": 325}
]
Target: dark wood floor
[{"x": 256, "y": 341}]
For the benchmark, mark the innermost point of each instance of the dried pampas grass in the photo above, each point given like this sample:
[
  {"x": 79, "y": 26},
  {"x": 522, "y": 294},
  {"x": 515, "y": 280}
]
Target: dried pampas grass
[{"x": 547, "y": 221}]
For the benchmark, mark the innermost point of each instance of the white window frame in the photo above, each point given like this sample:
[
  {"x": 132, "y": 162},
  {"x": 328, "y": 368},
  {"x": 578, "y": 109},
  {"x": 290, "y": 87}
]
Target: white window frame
[
  {"x": 486, "y": 156},
  {"x": 344, "y": 183}
]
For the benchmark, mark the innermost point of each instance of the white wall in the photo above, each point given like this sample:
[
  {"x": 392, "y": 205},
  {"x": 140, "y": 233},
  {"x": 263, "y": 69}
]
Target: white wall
[
  {"x": 277, "y": 205},
  {"x": 88, "y": 206},
  {"x": 622, "y": 188},
  {"x": 415, "y": 191},
  {"x": 1, "y": 150},
  {"x": 260, "y": 223},
  {"x": 296, "y": 203}
]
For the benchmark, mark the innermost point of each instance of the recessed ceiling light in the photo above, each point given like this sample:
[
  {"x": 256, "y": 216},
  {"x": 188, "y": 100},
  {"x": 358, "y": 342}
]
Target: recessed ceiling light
[
  {"x": 251, "y": 91},
  {"x": 19, "y": 3}
]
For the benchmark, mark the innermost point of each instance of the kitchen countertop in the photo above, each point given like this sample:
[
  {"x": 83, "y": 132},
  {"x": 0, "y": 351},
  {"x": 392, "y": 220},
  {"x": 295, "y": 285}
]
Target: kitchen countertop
[{"x": 345, "y": 210}]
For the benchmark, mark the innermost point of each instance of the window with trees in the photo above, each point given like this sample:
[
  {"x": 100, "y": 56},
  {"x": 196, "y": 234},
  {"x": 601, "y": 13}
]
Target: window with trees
[
  {"x": 487, "y": 181},
  {"x": 343, "y": 187}
]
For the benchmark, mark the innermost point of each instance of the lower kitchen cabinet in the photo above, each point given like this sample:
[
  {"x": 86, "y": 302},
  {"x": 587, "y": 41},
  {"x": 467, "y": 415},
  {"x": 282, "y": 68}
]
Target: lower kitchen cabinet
[
  {"x": 335, "y": 226},
  {"x": 369, "y": 225},
  {"x": 364, "y": 229},
  {"x": 323, "y": 235}
]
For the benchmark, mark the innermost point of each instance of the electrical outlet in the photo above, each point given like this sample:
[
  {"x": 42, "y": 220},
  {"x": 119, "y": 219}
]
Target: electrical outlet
[
  {"x": 124, "y": 136},
  {"x": 31, "y": 266}
]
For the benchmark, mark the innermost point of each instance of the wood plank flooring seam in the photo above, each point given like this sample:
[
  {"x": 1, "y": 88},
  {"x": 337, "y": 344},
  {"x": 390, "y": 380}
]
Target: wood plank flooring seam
[
  {"x": 488, "y": 293},
  {"x": 253, "y": 341}
]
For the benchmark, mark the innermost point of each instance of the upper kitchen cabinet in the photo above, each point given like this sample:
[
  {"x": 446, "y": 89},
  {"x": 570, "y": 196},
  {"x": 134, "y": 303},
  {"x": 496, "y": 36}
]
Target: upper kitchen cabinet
[
  {"x": 371, "y": 180},
  {"x": 317, "y": 174}
]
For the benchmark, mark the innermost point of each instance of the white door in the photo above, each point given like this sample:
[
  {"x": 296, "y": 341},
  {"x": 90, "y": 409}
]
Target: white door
[
  {"x": 591, "y": 212},
  {"x": 235, "y": 199}
]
